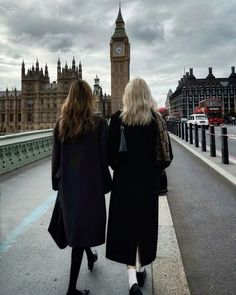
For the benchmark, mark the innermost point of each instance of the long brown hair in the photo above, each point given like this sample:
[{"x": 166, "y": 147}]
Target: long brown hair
[{"x": 77, "y": 111}]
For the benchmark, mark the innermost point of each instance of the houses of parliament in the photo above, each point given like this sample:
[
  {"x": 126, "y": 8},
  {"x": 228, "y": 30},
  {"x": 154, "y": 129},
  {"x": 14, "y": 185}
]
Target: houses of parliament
[{"x": 37, "y": 105}]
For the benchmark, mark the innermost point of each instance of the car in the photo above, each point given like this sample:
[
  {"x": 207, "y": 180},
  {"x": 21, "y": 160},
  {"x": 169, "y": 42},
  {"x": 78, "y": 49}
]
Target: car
[
  {"x": 183, "y": 119},
  {"x": 171, "y": 118},
  {"x": 199, "y": 119}
]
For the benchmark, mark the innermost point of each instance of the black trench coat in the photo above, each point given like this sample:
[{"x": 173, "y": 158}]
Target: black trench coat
[
  {"x": 133, "y": 212},
  {"x": 78, "y": 170}
]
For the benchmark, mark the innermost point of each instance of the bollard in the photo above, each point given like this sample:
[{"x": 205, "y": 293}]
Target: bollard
[
  {"x": 203, "y": 138},
  {"x": 182, "y": 130},
  {"x": 190, "y": 133},
  {"x": 224, "y": 146},
  {"x": 186, "y": 131},
  {"x": 212, "y": 141},
  {"x": 196, "y": 135},
  {"x": 179, "y": 129}
]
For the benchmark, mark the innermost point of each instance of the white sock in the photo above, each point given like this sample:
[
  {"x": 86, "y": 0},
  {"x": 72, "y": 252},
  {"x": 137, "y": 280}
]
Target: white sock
[
  {"x": 139, "y": 267},
  {"x": 132, "y": 277}
]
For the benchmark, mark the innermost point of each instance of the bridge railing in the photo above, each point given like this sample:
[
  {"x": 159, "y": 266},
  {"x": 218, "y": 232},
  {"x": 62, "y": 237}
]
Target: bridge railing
[{"x": 19, "y": 149}]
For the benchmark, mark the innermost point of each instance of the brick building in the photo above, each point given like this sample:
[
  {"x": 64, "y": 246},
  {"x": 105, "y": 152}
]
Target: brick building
[{"x": 191, "y": 90}]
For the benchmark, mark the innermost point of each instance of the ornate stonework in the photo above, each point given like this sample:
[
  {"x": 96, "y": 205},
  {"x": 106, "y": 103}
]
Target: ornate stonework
[{"x": 120, "y": 62}]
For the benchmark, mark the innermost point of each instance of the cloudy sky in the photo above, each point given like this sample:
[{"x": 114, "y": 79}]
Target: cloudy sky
[{"x": 166, "y": 36}]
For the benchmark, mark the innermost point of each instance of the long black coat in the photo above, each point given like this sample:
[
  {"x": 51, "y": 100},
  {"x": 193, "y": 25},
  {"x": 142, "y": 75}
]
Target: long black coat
[
  {"x": 133, "y": 212},
  {"x": 78, "y": 175}
]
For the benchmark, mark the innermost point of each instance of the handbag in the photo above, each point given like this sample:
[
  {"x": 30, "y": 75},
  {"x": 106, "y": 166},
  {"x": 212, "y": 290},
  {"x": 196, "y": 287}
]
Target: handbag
[
  {"x": 56, "y": 227},
  {"x": 123, "y": 144}
]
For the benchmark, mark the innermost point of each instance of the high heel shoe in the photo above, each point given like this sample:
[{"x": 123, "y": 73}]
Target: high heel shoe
[{"x": 91, "y": 260}]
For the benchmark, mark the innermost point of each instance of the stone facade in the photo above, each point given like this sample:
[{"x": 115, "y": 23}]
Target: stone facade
[
  {"x": 103, "y": 101},
  {"x": 37, "y": 106},
  {"x": 191, "y": 90}
]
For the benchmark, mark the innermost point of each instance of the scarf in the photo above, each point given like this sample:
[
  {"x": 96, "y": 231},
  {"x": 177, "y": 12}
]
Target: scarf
[{"x": 163, "y": 148}]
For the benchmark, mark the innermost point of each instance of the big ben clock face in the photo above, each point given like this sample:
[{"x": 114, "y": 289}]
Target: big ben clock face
[{"x": 118, "y": 50}]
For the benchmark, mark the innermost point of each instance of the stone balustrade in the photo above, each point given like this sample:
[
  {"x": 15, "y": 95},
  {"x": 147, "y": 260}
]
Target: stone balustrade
[{"x": 19, "y": 149}]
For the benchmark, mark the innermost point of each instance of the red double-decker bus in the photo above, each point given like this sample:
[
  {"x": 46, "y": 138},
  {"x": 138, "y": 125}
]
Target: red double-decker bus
[{"x": 211, "y": 107}]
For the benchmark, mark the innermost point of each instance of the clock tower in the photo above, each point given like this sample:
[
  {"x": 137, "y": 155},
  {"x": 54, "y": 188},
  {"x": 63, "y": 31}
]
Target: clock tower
[{"x": 120, "y": 62}]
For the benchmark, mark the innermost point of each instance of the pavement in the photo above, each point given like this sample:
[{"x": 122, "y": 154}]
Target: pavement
[{"x": 30, "y": 262}]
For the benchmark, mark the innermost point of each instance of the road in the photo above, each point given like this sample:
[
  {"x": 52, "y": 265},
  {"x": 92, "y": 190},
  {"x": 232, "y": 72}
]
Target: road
[
  {"x": 203, "y": 206},
  {"x": 231, "y": 129}
]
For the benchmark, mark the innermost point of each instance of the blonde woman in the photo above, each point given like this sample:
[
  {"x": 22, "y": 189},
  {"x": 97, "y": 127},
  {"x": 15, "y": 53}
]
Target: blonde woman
[
  {"x": 79, "y": 171},
  {"x": 133, "y": 212}
]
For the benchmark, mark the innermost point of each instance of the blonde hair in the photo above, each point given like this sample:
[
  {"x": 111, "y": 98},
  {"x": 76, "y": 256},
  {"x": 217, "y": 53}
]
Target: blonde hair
[
  {"x": 137, "y": 103},
  {"x": 77, "y": 111}
]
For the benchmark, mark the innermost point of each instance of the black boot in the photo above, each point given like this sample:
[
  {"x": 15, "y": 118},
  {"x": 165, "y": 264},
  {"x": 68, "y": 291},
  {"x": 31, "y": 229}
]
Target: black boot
[
  {"x": 141, "y": 276},
  {"x": 135, "y": 290}
]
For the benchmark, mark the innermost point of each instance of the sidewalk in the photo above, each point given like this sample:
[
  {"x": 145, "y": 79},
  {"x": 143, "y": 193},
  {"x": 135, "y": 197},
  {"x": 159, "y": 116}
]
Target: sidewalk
[
  {"x": 228, "y": 171},
  {"x": 31, "y": 263}
]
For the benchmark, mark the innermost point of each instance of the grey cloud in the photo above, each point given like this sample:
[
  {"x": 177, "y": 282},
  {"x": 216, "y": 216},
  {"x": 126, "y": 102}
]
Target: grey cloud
[
  {"x": 165, "y": 36},
  {"x": 149, "y": 33},
  {"x": 57, "y": 42}
]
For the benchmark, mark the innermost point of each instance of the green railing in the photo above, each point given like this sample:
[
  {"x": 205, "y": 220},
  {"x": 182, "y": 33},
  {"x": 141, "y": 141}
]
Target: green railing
[{"x": 17, "y": 150}]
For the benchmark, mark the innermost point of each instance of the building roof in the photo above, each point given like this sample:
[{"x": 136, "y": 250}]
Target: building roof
[
  {"x": 190, "y": 81},
  {"x": 120, "y": 26}
]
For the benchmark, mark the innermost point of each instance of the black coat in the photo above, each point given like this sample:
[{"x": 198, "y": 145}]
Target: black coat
[
  {"x": 78, "y": 170},
  {"x": 133, "y": 212}
]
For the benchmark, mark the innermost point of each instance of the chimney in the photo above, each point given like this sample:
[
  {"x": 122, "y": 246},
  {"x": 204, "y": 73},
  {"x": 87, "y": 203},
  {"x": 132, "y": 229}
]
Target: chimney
[
  {"x": 232, "y": 70},
  {"x": 191, "y": 71},
  {"x": 210, "y": 71}
]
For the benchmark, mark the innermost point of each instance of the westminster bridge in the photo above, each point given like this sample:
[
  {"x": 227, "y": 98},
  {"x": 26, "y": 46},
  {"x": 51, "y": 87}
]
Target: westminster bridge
[{"x": 196, "y": 245}]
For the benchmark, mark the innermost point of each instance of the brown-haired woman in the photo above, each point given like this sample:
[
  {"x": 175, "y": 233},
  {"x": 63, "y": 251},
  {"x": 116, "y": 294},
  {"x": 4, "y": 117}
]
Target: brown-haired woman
[{"x": 79, "y": 169}]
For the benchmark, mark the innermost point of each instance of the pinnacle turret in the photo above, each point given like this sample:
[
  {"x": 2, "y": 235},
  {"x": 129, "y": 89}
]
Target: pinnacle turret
[{"x": 120, "y": 26}]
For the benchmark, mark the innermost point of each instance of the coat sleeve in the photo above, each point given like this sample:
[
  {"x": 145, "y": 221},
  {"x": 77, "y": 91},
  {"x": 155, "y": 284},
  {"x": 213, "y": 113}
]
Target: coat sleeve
[
  {"x": 113, "y": 141},
  {"x": 56, "y": 156},
  {"x": 105, "y": 170}
]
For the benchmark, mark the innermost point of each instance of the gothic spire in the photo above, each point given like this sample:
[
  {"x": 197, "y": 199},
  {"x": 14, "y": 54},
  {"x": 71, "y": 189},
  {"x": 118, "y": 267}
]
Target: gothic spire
[
  {"x": 120, "y": 25},
  {"x": 119, "y": 17}
]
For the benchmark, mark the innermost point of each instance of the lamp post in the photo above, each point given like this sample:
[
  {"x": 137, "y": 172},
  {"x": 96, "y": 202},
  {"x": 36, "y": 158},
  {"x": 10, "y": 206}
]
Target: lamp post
[{"x": 104, "y": 105}]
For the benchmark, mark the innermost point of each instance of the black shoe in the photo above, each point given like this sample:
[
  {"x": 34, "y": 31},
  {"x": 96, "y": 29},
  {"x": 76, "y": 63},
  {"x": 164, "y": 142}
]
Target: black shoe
[
  {"x": 141, "y": 276},
  {"x": 78, "y": 292},
  {"x": 135, "y": 290},
  {"x": 91, "y": 260}
]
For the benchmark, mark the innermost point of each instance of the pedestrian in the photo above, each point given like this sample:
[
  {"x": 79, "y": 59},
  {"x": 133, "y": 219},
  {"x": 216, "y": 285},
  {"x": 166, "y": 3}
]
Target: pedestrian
[
  {"x": 137, "y": 144},
  {"x": 81, "y": 176}
]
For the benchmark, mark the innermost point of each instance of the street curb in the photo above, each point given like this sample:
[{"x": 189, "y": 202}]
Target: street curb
[
  {"x": 218, "y": 169},
  {"x": 168, "y": 274}
]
